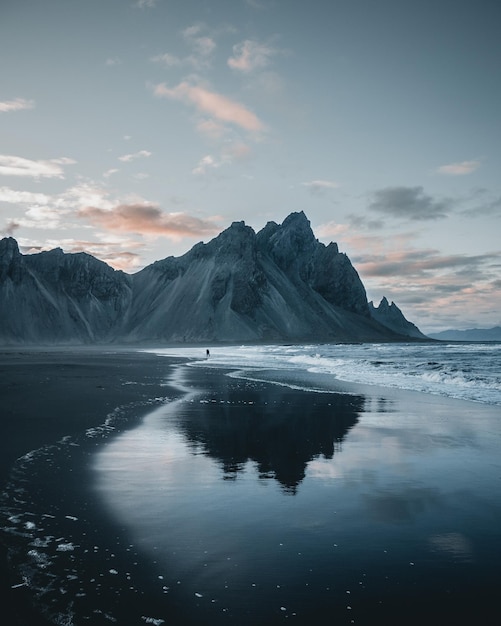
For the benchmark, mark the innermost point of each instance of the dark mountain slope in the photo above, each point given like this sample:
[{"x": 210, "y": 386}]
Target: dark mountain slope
[
  {"x": 392, "y": 317},
  {"x": 280, "y": 284}
]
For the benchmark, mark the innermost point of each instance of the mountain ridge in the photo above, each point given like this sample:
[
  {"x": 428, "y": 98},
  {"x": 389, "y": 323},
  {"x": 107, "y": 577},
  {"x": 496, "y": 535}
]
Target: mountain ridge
[
  {"x": 469, "y": 334},
  {"x": 392, "y": 317},
  {"x": 280, "y": 284}
]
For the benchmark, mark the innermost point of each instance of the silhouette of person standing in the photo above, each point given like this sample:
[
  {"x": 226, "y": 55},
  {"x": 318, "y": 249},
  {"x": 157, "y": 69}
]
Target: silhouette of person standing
[{"x": 208, "y": 353}]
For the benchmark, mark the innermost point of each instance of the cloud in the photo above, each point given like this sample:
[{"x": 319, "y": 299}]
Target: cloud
[
  {"x": 110, "y": 172},
  {"x": 85, "y": 194},
  {"x": 210, "y": 128},
  {"x": 19, "y": 166},
  {"x": 43, "y": 217},
  {"x": 420, "y": 262},
  {"x": 319, "y": 187},
  {"x": 212, "y": 103},
  {"x": 202, "y": 48},
  {"x": 11, "y": 227},
  {"x": 147, "y": 219},
  {"x": 235, "y": 151},
  {"x": 330, "y": 229},
  {"x": 206, "y": 164},
  {"x": 362, "y": 222},
  {"x": 146, "y": 4},
  {"x": 250, "y": 55},
  {"x": 112, "y": 61},
  {"x": 436, "y": 288},
  {"x": 170, "y": 60},
  {"x": 459, "y": 169},
  {"x": 126, "y": 158},
  {"x": 258, "y": 4},
  {"x": 409, "y": 203},
  {"x": 18, "y": 104},
  {"x": 12, "y": 196}
]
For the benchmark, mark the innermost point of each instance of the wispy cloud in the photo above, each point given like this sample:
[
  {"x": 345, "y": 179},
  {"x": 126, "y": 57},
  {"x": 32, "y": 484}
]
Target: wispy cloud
[
  {"x": 203, "y": 45},
  {"x": 201, "y": 50},
  {"x": 147, "y": 219},
  {"x": 211, "y": 128},
  {"x": 110, "y": 172},
  {"x": 259, "y": 4},
  {"x": 18, "y": 104},
  {"x": 487, "y": 206},
  {"x": 13, "y": 196},
  {"x": 250, "y": 55},
  {"x": 126, "y": 158},
  {"x": 433, "y": 285},
  {"x": 168, "y": 59},
  {"x": 112, "y": 61},
  {"x": 459, "y": 169},
  {"x": 10, "y": 227},
  {"x": 419, "y": 263},
  {"x": 212, "y": 103},
  {"x": 19, "y": 166},
  {"x": 230, "y": 153},
  {"x": 44, "y": 218},
  {"x": 319, "y": 187},
  {"x": 409, "y": 203},
  {"x": 146, "y": 4},
  {"x": 206, "y": 164}
]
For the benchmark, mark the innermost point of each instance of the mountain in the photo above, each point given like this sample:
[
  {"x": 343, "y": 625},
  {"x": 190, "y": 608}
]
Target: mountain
[
  {"x": 59, "y": 298},
  {"x": 391, "y": 316},
  {"x": 279, "y": 284},
  {"x": 472, "y": 334}
]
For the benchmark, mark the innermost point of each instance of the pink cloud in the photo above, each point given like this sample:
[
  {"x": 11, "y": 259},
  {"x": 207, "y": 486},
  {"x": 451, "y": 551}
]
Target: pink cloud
[
  {"x": 212, "y": 103},
  {"x": 147, "y": 219},
  {"x": 18, "y": 104},
  {"x": 459, "y": 169}
]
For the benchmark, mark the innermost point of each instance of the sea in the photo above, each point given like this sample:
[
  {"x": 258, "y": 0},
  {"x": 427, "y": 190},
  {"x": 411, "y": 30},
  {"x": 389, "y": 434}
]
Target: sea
[
  {"x": 301, "y": 484},
  {"x": 469, "y": 371}
]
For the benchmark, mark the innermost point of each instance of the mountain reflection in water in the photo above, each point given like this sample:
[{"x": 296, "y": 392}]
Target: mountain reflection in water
[{"x": 278, "y": 429}]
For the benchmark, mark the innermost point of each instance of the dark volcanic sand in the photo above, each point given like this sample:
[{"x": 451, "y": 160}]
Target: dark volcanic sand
[
  {"x": 47, "y": 394},
  {"x": 407, "y": 525}
]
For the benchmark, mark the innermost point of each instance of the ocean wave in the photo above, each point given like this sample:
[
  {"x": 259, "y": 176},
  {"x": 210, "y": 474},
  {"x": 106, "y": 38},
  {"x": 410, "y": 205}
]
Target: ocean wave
[{"x": 464, "y": 371}]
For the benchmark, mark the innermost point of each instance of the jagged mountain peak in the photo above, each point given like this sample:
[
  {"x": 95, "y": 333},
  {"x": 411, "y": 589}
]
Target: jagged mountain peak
[
  {"x": 9, "y": 247},
  {"x": 279, "y": 284},
  {"x": 392, "y": 317},
  {"x": 297, "y": 220},
  {"x": 10, "y": 258}
]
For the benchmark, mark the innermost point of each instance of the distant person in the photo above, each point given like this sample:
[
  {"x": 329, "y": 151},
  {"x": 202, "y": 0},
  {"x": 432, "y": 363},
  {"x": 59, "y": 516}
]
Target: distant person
[{"x": 208, "y": 353}]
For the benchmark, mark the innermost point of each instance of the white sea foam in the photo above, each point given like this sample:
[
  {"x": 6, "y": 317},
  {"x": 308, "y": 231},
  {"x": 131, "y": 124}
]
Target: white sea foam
[{"x": 465, "y": 371}]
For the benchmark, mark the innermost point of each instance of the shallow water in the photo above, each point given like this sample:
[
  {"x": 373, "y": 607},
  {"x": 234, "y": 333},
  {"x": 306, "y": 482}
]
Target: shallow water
[
  {"x": 259, "y": 503},
  {"x": 245, "y": 502}
]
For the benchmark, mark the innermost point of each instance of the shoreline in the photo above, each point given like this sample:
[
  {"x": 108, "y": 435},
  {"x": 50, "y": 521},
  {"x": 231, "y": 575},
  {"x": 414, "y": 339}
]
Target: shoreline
[
  {"x": 49, "y": 394},
  {"x": 41, "y": 386}
]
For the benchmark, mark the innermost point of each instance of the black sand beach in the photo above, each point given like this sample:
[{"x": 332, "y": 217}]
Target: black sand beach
[
  {"x": 242, "y": 502},
  {"x": 50, "y": 393}
]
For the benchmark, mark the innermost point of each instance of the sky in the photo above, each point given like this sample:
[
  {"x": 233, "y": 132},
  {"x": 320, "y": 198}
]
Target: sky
[{"x": 133, "y": 129}]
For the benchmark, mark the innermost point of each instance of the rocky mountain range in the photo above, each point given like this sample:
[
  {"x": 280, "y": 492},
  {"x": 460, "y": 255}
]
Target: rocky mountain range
[{"x": 280, "y": 284}]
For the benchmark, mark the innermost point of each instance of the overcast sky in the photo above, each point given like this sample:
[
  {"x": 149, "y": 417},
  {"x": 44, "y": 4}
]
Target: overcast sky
[{"x": 134, "y": 129}]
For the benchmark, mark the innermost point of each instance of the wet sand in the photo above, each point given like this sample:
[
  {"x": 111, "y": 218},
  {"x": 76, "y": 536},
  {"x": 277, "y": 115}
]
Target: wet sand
[
  {"x": 401, "y": 493},
  {"x": 49, "y": 393}
]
